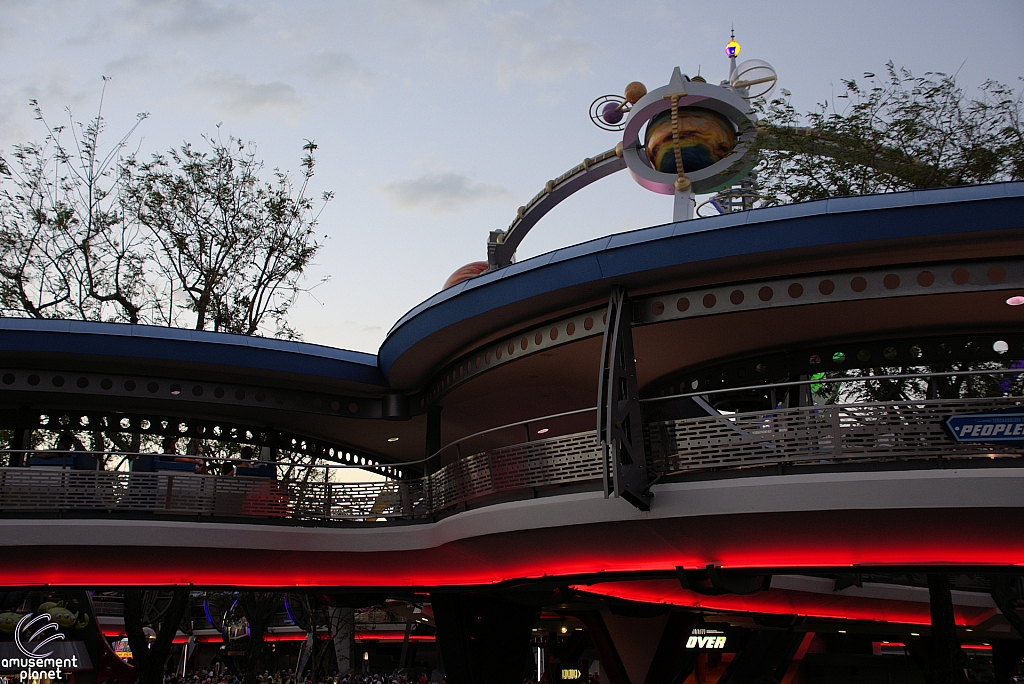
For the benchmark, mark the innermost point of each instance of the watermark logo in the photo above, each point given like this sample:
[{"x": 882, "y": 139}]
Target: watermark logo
[
  {"x": 36, "y": 661},
  {"x": 48, "y": 626}
]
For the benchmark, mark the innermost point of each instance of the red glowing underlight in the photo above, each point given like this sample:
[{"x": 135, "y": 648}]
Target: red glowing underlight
[
  {"x": 785, "y": 602},
  {"x": 111, "y": 633},
  {"x": 792, "y": 541},
  {"x": 397, "y": 636}
]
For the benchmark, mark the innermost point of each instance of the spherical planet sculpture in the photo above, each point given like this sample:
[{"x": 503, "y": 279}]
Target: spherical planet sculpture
[
  {"x": 612, "y": 113},
  {"x": 635, "y": 91},
  {"x": 705, "y": 137},
  {"x": 465, "y": 273}
]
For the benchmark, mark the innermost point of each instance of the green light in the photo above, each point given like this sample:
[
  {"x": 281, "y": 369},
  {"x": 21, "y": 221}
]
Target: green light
[{"x": 817, "y": 386}]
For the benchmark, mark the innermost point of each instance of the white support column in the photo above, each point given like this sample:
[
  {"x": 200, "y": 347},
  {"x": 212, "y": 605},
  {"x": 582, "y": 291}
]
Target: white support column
[
  {"x": 343, "y": 628},
  {"x": 683, "y": 209}
]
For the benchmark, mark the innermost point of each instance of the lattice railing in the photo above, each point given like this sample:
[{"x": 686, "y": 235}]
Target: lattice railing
[
  {"x": 542, "y": 463},
  {"x": 809, "y": 434},
  {"x": 804, "y": 435}
]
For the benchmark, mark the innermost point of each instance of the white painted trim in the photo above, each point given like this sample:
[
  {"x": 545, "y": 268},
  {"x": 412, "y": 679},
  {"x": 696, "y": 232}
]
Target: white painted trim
[{"x": 887, "y": 490}]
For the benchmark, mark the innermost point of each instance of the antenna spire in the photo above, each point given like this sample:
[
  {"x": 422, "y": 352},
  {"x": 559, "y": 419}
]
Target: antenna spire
[{"x": 732, "y": 50}]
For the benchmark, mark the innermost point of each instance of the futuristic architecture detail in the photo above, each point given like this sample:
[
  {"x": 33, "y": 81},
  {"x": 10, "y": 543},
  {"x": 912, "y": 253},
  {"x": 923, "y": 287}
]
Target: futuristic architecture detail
[
  {"x": 696, "y": 139},
  {"x": 754, "y": 444}
]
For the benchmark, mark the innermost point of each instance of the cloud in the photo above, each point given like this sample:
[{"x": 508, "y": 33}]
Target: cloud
[
  {"x": 440, "y": 192},
  {"x": 61, "y": 87},
  {"x": 523, "y": 50},
  {"x": 236, "y": 94},
  {"x": 132, "y": 62},
  {"x": 189, "y": 18},
  {"x": 338, "y": 68}
]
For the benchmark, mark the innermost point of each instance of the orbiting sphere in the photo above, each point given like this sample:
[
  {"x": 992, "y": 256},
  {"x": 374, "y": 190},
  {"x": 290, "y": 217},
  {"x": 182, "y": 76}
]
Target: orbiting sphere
[
  {"x": 705, "y": 137},
  {"x": 611, "y": 113},
  {"x": 465, "y": 273},
  {"x": 634, "y": 91}
]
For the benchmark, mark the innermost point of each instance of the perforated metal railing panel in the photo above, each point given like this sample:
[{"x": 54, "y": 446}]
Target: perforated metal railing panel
[
  {"x": 805, "y": 436},
  {"x": 833, "y": 434},
  {"x": 547, "y": 462}
]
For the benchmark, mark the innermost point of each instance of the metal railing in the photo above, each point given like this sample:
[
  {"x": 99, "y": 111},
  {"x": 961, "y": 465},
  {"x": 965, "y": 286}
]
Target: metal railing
[
  {"x": 520, "y": 457},
  {"x": 844, "y": 433},
  {"x": 310, "y": 500}
]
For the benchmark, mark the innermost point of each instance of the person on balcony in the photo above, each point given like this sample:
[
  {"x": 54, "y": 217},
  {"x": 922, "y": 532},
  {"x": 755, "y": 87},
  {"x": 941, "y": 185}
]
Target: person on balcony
[{"x": 170, "y": 449}]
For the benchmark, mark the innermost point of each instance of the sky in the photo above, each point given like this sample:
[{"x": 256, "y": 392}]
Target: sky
[{"x": 436, "y": 119}]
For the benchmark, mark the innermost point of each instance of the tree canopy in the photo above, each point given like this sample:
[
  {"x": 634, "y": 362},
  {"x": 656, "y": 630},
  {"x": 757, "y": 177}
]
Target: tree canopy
[
  {"x": 198, "y": 237},
  {"x": 888, "y": 133},
  {"x": 191, "y": 238}
]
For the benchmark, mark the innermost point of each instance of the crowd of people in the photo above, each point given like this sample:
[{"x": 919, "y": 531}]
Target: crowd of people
[
  {"x": 282, "y": 677},
  {"x": 71, "y": 452},
  {"x": 204, "y": 466}
]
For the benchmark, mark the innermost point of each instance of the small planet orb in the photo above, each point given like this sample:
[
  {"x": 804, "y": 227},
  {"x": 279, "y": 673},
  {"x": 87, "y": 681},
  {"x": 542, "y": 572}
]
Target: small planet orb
[
  {"x": 465, "y": 273},
  {"x": 634, "y": 91},
  {"x": 611, "y": 113},
  {"x": 705, "y": 137}
]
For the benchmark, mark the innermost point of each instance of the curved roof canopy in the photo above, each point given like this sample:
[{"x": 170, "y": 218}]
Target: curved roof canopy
[
  {"x": 644, "y": 260},
  {"x": 572, "y": 277}
]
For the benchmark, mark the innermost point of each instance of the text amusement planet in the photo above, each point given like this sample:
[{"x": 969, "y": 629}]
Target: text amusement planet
[{"x": 37, "y": 662}]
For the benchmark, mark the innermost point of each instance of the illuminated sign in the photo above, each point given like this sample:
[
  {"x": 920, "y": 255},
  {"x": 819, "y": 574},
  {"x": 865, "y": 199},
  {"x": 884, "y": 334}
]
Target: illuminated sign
[
  {"x": 710, "y": 639},
  {"x": 571, "y": 674},
  {"x": 123, "y": 650},
  {"x": 987, "y": 428}
]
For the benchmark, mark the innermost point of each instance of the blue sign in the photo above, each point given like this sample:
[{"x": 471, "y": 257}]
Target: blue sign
[{"x": 987, "y": 428}]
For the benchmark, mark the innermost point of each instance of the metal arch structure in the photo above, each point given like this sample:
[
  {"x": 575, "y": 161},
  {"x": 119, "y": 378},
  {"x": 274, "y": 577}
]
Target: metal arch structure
[
  {"x": 502, "y": 245},
  {"x": 686, "y": 93}
]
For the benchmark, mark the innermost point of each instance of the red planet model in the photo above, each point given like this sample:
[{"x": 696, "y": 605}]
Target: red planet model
[{"x": 465, "y": 273}]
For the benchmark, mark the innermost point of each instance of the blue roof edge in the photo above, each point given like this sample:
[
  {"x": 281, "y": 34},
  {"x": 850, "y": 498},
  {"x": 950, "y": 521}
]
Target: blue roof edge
[
  {"x": 176, "y": 344},
  {"x": 584, "y": 260}
]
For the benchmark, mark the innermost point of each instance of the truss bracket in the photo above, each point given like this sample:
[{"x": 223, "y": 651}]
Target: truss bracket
[{"x": 619, "y": 426}]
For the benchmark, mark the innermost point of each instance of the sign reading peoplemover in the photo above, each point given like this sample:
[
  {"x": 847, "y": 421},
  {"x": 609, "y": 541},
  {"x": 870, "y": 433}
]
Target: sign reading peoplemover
[{"x": 987, "y": 428}]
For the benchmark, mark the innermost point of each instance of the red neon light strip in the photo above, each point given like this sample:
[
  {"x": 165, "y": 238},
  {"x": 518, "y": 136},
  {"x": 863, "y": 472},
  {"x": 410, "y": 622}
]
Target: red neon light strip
[
  {"x": 371, "y": 636},
  {"x": 971, "y": 647},
  {"x": 271, "y": 638},
  {"x": 817, "y": 539},
  {"x": 783, "y": 602}
]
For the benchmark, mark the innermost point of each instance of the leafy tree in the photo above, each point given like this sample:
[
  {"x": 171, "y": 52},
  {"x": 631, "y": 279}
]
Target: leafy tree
[
  {"x": 963, "y": 384},
  {"x": 191, "y": 238},
  {"x": 231, "y": 244},
  {"x": 896, "y": 132},
  {"x": 68, "y": 249}
]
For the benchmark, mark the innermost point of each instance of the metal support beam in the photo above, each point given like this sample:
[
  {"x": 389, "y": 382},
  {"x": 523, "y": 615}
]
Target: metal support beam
[
  {"x": 765, "y": 657},
  {"x": 482, "y": 639},
  {"x": 945, "y": 662},
  {"x": 619, "y": 426},
  {"x": 433, "y": 440}
]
